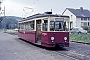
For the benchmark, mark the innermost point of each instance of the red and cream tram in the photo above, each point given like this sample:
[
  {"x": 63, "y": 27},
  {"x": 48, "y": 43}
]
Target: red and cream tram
[{"x": 47, "y": 29}]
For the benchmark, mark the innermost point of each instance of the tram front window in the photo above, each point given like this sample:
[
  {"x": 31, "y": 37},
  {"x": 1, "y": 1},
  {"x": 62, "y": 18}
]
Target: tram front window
[
  {"x": 52, "y": 26},
  {"x": 57, "y": 26}
]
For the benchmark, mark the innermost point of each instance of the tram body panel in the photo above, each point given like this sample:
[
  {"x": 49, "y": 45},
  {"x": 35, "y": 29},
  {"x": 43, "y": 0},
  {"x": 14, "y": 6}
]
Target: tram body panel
[
  {"x": 27, "y": 35},
  {"x": 20, "y": 34},
  {"x": 45, "y": 41},
  {"x": 59, "y": 38}
]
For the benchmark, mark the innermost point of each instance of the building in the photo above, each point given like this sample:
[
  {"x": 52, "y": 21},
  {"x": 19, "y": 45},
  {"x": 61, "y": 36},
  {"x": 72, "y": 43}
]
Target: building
[{"x": 78, "y": 17}]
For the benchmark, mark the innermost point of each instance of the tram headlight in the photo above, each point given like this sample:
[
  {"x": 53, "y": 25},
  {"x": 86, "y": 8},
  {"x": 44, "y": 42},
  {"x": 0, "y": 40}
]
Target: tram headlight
[
  {"x": 65, "y": 38},
  {"x": 52, "y": 38}
]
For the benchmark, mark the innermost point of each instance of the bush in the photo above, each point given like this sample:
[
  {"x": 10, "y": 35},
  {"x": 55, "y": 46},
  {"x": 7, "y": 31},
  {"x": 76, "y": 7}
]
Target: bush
[
  {"x": 88, "y": 31},
  {"x": 89, "y": 28},
  {"x": 85, "y": 27}
]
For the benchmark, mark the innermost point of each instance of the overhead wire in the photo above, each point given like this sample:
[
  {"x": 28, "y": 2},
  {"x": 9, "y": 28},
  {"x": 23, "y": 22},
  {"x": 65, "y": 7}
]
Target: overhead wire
[
  {"x": 9, "y": 12},
  {"x": 34, "y": 2}
]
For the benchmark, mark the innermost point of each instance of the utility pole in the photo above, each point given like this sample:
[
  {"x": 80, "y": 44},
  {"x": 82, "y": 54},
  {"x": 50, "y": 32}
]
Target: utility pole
[
  {"x": 4, "y": 11},
  {"x": 3, "y": 18},
  {"x": 51, "y": 10},
  {"x": 2, "y": 14},
  {"x": 0, "y": 7}
]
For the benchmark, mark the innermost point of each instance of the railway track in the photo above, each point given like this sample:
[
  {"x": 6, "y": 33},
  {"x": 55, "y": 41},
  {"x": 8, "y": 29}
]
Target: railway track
[{"x": 72, "y": 54}]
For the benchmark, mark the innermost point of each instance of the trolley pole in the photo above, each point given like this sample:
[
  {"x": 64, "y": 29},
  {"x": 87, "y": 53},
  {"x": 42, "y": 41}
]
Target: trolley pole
[
  {"x": 0, "y": 7},
  {"x": 3, "y": 18},
  {"x": 4, "y": 11},
  {"x": 2, "y": 14},
  {"x": 26, "y": 13}
]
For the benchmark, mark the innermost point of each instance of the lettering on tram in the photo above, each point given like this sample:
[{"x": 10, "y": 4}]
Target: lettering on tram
[{"x": 47, "y": 29}]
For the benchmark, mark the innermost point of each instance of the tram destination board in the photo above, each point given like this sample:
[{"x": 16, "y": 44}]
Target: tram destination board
[{"x": 59, "y": 19}]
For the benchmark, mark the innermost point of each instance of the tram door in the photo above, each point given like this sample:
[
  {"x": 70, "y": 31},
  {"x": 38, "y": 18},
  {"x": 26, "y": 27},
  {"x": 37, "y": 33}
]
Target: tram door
[{"x": 38, "y": 30}]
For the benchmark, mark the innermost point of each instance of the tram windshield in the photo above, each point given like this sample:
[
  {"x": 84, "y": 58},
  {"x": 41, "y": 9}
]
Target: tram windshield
[{"x": 58, "y": 25}]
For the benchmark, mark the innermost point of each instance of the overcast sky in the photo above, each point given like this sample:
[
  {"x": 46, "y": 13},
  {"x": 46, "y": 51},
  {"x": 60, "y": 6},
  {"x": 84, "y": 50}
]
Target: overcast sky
[{"x": 15, "y": 7}]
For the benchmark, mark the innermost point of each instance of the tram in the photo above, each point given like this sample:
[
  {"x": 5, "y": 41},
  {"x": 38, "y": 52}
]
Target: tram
[{"x": 47, "y": 29}]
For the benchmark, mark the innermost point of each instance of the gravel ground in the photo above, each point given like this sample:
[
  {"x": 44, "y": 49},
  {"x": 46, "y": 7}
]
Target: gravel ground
[{"x": 12, "y": 48}]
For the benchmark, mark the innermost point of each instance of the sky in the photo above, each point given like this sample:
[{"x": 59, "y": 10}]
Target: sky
[{"x": 17, "y": 7}]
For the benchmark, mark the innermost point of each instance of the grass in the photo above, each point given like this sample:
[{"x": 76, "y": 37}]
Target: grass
[
  {"x": 13, "y": 32},
  {"x": 84, "y": 38}
]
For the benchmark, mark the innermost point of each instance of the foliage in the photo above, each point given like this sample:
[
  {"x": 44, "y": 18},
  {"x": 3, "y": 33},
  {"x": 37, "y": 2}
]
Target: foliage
[
  {"x": 9, "y": 22},
  {"x": 89, "y": 28},
  {"x": 13, "y": 32},
  {"x": 86, "y": 28}
]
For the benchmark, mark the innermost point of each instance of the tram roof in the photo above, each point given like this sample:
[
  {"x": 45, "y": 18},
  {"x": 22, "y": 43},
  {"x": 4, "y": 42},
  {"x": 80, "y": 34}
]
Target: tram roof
[{"x": 44, "y": 15}]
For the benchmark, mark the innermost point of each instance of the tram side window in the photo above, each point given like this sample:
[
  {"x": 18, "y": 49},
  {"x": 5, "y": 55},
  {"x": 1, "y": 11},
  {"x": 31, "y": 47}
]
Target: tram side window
[
  {"x": 29, "y": 26},
  {"x": 45, "y": 25},
  {"x": 26, "y": 26},
  {"x": 51, "y": 25},
  {"x": 21, "y": 26},
  {"x": 32, "y": 25}
]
